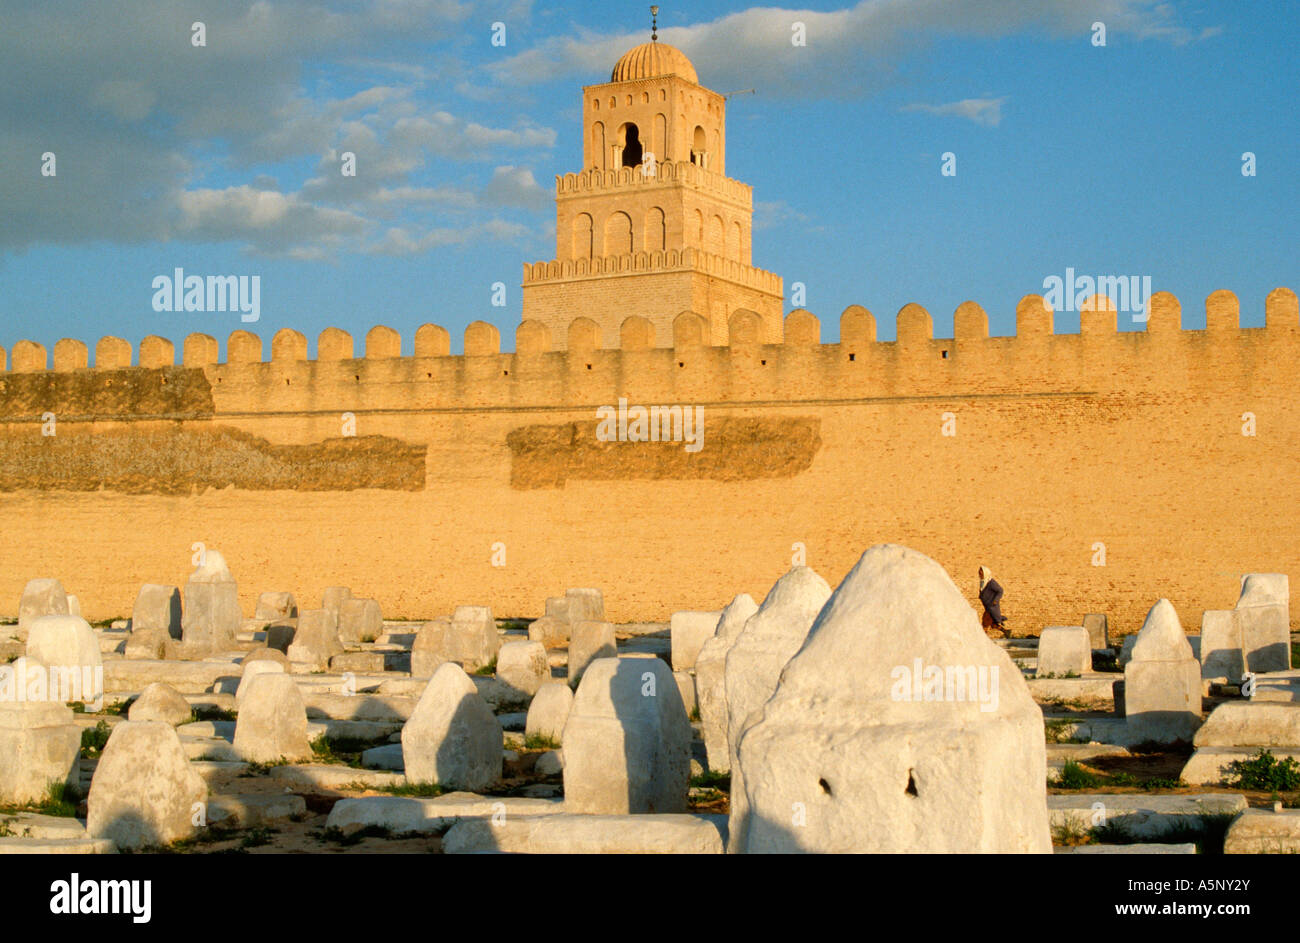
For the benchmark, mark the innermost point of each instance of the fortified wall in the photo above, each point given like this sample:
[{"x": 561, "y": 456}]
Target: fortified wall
[{"x": 1168, "y": 455}]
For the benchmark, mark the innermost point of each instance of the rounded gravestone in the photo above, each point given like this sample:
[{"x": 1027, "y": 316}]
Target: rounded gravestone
[
  {"x": 452, "y": 738},
  {"x": 627, "y": 742},
  {"x": 523, "y": 666},
  {"x": 549, "y": 711},
  {"x": 710, "y": 679},
  {"x": 163, "y": 703},
  {"x": 69, "y": 648},
  {"x": 899, "y": 726},
  {"x": 272, "y": 721},
  {"x": 144, "y": 793}
]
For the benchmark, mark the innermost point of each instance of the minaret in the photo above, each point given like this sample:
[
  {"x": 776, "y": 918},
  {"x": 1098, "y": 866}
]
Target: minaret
[{"x": 651, "y": 226}]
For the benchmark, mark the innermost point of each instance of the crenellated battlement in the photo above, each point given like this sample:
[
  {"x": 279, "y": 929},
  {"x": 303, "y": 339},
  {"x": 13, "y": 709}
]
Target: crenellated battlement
[
  {"x": 670, "y": 260},
  {"x": 386, "y": 375},
  {"x": 667, "y": 173}
]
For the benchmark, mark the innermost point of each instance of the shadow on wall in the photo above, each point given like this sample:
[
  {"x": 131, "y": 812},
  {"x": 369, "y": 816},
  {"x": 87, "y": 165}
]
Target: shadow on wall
[
  {"x": 178, "y": 460},
  {"x": 732, "y": 449}
]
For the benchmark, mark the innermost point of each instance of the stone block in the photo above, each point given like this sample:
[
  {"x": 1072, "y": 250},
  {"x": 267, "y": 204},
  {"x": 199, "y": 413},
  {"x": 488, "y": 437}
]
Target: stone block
[
  {"x": 710, "y": 679},
  {"x": 272, "y": 607},
  {"x": 161, "y": 702},
  {"x": 452, "y": 737},
  {"x": 549, "y": 711},
  {"x": 589, "y": 641},
  {"x": 1264, "y": 617},
  {"x": 570, "y": 834},
  {"x": 360, "y": 620},
  {"x": 1162, "y": 681},
  {"x": 898, "y": 725},
  {"x": 144, "y": 792},
  {"x": 1221, "y": 646},
  {"x": 627, "y": 740},
  {"x": 1098, "y": 630},
  {"x": 523, "y": 666},
  {"x": 67, "y": 647},
  {"x": 158, "y": 609},
  {"x": 40, "y": 740},
  {"x": 1064, "y": 650},
  {"x": 689, "y": 631},
  {"x": 41, "y": 597},
  {"x": 316, "y": 639},
  {"x": 272, "y": 722}
]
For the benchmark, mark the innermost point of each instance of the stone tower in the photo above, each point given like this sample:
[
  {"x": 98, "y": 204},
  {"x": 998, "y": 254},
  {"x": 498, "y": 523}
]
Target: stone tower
[{"x": 651, "y": 226}]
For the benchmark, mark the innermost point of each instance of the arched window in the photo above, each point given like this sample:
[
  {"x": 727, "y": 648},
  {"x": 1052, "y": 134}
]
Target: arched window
[
  {"x": 699, "y": 150},
  {"x": 630, "y": 139},
  {"x": 598, "y": 145},
  {"x": 714, "y": 245},
  {"x": 618, "y": 234},
  {"x": 654, "y": 229},
  {"x": 582, "y": 247}
]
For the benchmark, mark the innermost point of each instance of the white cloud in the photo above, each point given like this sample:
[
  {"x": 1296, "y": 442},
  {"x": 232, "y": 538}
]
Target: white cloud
[
  {"x": 849, "y": 52},
  {"x": 985, "y": 111}
]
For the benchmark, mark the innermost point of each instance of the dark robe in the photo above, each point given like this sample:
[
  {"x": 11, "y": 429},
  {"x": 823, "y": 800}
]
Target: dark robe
[{"x": 991, "y": 597}]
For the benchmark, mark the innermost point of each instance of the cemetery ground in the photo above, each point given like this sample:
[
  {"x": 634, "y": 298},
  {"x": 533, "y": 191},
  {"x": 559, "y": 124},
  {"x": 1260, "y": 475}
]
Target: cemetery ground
[{"x": 281, "y": 807}]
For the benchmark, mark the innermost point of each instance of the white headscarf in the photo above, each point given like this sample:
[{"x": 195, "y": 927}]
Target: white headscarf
[{"x": 985, "y": 575}]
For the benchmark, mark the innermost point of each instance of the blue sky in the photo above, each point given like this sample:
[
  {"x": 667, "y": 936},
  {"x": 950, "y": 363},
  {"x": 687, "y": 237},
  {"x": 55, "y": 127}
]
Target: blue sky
[{"x": 1118, "y": 160}]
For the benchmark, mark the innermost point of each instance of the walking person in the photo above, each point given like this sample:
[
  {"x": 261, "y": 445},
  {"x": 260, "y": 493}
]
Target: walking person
[{"x": 991, "y": 597}]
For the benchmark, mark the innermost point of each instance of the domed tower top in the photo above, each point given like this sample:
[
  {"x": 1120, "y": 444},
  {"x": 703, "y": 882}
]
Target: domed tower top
[{"x": 651, "y": 60}]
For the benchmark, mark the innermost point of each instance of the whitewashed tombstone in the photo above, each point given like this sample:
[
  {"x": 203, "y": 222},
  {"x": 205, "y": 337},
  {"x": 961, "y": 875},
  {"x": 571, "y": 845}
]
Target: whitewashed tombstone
[
  {"x": 1264, "y": 616},
  {"x": 452, "y": 737},
  {"x": 272, "y": 721},
  {"x": 587, "y": 642},
  {"x": 144, "y": 792},
  {"x": 710, "y": 679},
  {"x": 898, "y": 727},
  {"x": 211, "y": 617},
  {"x": 1063, "y": 651},
  {"x": 1162, "y": 681},
  {"x": 627, "y": 740}
]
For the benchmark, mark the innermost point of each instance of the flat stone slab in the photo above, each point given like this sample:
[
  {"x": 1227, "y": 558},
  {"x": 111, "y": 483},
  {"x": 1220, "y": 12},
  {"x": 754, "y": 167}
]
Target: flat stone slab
[
  {"x": 1058, "y": 754},
  {"x": 377, "y": 708},
  {"x": 112, "y": 640},
  {"x": 1095, "y": 686},
  {"x": 252, "y": 809},
  {"x": 333, "y": 780},
  {"x": 1277, "y": 688},
  {"x": 187, "y": 677},
  {"x": 209, "y": 749},
  {"x": 35, "y": 825},
  {"x": 1105, "y": 730},
  {"x": 1251, "y": 724},
  {"x": 1208, "y": 765},
  {"x": 210, "y": 701},
  {"x": 388, "y": 756},
  {"x": 364, "y": 731},
  {"x": 1264, "y": 832},
  {"x": 57, "y": 846},
  {"x": 514, "y": 720},
  {"x": 402, "y": 814},
  {"x": 219, "y": 729},
  {"x": 219, "y": 773},
  {"x": 572, "y": 834},
  {"x": 1136, "y": 849},
  {"x": 1141, "y": 816}
]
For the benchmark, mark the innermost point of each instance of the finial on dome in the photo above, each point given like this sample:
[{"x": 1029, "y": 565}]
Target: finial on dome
[{"x": 654, "y": 24}]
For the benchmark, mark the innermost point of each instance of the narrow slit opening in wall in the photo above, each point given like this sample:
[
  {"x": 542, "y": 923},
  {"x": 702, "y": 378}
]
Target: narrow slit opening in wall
[
  {"x": 681, "y": 363},
  {"x": 504, "y": 373},
  {"x": 945, "y": 354},
  {"x": 851, "y": 356},
  {"x": 588, "y": 366}
]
